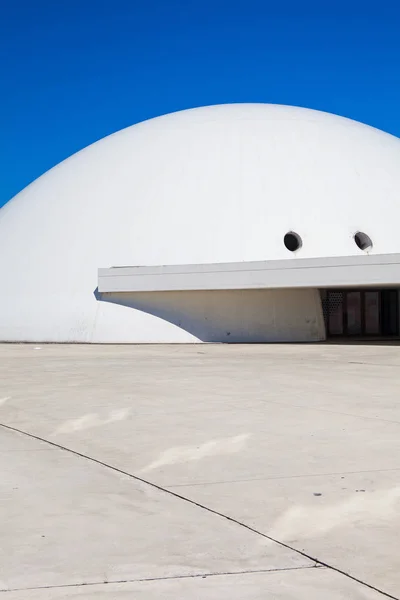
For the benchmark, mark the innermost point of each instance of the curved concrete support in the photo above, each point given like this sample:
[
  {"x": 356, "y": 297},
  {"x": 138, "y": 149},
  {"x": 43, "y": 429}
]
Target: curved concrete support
[{"x": 234, "y": 316}]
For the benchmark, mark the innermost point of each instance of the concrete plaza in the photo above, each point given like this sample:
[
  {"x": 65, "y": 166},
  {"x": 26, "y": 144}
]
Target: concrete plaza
[{"x": 200, "y": 472}]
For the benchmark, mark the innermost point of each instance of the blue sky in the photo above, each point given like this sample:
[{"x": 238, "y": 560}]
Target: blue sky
[{"x": 73, "y": 71}]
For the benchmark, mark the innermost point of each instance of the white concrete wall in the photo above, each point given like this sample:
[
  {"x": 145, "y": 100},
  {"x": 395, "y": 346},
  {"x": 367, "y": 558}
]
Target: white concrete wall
[
  {"x": 236, "y": 316},
  {"x": 166, "y": 317},
  {"x": 218, "y": 184}
]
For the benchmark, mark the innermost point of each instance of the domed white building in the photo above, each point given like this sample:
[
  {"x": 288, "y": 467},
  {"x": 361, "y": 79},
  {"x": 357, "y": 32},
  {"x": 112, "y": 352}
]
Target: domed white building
[{"x": 235, "y": 223}]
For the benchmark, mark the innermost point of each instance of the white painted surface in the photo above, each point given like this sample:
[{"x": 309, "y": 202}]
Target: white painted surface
[
  {"x": 225, "y": 316},
  {"x": 354, "y": 271},
  {"x": 216, "y": 184}
]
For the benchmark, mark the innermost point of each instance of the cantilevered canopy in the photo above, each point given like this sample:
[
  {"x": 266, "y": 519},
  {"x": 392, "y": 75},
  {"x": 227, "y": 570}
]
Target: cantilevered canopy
[{"x": 347, "y": 271}]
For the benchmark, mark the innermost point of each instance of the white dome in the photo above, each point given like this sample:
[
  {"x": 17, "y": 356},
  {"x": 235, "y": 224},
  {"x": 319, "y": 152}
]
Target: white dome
[{"x": 214, "y": 184}]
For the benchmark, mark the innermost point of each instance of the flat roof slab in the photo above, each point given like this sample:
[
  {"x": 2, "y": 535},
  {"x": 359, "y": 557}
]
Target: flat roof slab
[{"x": 323, "y": 272}]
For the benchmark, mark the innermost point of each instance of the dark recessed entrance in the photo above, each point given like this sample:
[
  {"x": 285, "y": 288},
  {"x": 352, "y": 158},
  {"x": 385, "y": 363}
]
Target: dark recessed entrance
[{"x": 361, "y": 313}]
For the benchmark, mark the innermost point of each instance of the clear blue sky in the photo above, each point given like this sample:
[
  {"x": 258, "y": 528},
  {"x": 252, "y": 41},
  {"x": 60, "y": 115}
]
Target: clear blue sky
[{"x": 73, "y": 71}]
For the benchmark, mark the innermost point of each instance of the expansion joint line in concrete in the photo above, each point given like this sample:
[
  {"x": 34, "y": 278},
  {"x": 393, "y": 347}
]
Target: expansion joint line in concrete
[
  {"x": 317, "y": 561},
  {"x": 167, "y": 578}
]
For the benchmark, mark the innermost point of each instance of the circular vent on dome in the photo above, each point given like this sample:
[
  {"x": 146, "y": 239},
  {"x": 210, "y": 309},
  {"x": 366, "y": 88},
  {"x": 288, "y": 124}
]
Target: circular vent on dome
[
  {"x": 363, "y": 241},
  {"x": 292, "y": 241}
]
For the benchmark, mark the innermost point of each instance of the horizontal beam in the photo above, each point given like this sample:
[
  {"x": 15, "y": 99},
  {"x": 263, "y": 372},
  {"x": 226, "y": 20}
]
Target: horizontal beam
[{"x": 330, "y": 272}]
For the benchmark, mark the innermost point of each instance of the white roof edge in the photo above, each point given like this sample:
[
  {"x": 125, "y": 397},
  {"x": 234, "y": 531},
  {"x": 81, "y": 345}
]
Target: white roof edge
[{"x": 342, "y": 271}]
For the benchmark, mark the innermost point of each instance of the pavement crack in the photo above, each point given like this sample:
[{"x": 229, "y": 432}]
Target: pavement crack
[
  {"x": 303, "y": 476},
  {"x": 317, "y": 561},
  {"x": 167, "y": 578}
]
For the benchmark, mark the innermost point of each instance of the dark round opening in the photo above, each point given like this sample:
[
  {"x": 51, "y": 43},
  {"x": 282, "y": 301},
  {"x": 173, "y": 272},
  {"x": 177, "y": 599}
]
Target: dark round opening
[
  {"x": 363, "y": 241},
  {"x": 292, "y": 241}
]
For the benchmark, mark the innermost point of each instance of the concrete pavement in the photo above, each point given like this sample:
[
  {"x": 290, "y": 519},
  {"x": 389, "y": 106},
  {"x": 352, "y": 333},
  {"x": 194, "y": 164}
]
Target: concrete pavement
[{"x": 300, "y": 443}]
